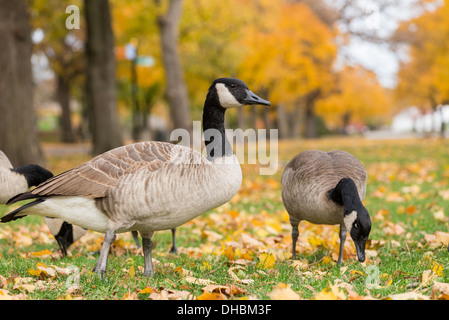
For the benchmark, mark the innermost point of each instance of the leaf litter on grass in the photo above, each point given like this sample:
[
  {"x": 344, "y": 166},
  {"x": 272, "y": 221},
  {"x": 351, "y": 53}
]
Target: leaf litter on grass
[{"x": 242, "y": 250}]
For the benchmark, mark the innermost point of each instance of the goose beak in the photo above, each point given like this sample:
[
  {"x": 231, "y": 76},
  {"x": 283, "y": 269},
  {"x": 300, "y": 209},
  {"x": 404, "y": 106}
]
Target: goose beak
[
  {"x": 360, "y": 248},
  {"x": 252, "y": 98}
]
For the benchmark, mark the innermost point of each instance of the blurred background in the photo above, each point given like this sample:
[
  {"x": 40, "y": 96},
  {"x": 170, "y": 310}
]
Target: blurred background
[{"x": 101, "y": 73}]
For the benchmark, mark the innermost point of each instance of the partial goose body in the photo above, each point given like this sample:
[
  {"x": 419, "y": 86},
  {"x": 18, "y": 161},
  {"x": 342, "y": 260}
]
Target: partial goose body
[
  {"x": 147, "y": 186},
  {"x": 327, "y": 188},
  {"x": 14, "y": 181}
]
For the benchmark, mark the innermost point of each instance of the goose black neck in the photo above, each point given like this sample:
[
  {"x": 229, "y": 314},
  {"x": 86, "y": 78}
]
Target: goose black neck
[
  {"x": 217, "y": 145},
  {"x": 345, "y": 193},
  {"x": 33, "y": 174}
]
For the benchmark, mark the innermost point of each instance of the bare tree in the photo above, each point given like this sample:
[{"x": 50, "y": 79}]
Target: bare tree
[
  {"x": 18, "y": 131},
  {"x": 100, "y": 83},
  {"x": 176, "y": 91}
]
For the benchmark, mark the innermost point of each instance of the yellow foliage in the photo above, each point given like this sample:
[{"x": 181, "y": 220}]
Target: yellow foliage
[
  {"x": 359, "y": 97},
  {"x": 424, "y": 78},
  {"x": 266, "y": 261},
  {"x": 289, "y": 51}
]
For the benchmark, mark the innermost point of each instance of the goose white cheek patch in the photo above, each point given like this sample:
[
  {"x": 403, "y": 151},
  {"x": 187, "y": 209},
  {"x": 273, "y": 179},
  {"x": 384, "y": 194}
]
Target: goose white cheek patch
[
  {"x": 349, "y": 220},
  {"x": 225, "y": 97}
]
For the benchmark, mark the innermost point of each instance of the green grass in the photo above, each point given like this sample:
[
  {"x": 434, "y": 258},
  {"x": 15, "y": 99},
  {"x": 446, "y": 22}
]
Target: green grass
[{"x": 405, "y": 178}]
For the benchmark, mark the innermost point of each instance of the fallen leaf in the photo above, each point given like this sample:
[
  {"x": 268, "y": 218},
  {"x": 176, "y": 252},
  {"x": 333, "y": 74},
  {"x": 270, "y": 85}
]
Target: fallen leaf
[
  {"x": 408, "y": 296},
  {"x": 440, "y": 291},
  {"x": 194, "y": 280},
  {"x": 266, "y": 261},
  {"x": 228, "y": 252},
  {"x": 428, "y": 277},
  {"x": 131, "y": 272},
  {"x": 332, "y": 292},
  {"x": 212, "y": 296},
  {"x": 283, "y": 291},
  {"x": 250, "y": 242}
]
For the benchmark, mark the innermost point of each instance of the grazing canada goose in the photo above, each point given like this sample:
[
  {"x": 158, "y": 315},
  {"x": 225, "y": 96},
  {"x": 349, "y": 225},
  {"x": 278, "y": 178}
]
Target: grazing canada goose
[
  {"x": 147, "y": 186},
  {"x": 327, "y": 188},
  {"x": 14, "y": 181},
  {"x": 19, "y": 180},
  {"x": 64, "y": 233}
]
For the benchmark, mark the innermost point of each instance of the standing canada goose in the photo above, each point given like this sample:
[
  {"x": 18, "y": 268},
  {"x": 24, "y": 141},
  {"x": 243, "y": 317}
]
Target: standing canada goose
[
  {"x": 147, "y": 186},
  {"x": 327, "y": 188}
]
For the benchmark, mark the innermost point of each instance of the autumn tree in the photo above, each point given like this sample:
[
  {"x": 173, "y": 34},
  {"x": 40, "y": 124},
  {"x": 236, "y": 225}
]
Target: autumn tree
[
  {"x": 101, "y": 77},
  {"x": 358, "y": 98},
  {"x": 424, "y": 77},
  {"x": 18, "y": 130},
  {"x": 289, "y": 52},
  {"x": 63, "y": 48},
  {"x": 175, "y": 88}
]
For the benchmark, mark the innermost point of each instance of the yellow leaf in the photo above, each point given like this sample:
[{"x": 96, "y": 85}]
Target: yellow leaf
[
  {"x": 283, "y": 291},
  {"x": 229, "y": 253},
  {"x": 330, "y": 293},
  {"x": 146, "y": 290},
  {"x": 438, "y": 269},
  {"x": 131, "y": 272},
  {"x": 266, "y": 261},
  {"x": 212, "y": 296},
  {"x": 232, "y": 213}
]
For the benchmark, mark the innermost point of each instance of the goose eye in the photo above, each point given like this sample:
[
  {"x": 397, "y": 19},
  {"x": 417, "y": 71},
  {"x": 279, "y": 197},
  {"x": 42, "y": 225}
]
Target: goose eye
[
  {"x": 355, "y": 225},
  {"x": 233, "y": 85}
]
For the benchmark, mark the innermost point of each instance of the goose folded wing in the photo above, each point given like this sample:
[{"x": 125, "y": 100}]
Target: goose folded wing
[{"x": 93, "y": 178}]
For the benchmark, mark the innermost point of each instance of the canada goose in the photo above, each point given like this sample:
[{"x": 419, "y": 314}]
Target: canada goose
[
  {"x": 147, "y": 186},
  {"x": 327, "y": 188},
  {"x": 14, "y": 181},
  {"x": 64, "y": 233},
  {"x": 19, "y": 180}
]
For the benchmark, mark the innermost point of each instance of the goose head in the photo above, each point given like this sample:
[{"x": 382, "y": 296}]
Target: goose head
[
  {"x": 232, "y": 93},
  {"x": 358, "y": 224}
]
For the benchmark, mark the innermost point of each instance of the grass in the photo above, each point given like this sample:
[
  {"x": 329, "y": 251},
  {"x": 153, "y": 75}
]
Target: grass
[{"x": 228, "y": 246}]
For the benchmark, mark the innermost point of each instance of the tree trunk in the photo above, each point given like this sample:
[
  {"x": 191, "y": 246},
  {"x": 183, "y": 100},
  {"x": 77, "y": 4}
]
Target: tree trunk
[
  {"x": 176, "y": 91},
  {"x": 282, "y": 121},
  {"x": 18, "y": 131},
  {"x": 310, "y": 116},
  {"x": 100, "y": 82},
  {"x": 63, "y": 93}
]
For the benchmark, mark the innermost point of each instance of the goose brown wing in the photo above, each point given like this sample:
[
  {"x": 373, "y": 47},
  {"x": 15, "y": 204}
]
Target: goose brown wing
[{"x": 93, "y": 178}]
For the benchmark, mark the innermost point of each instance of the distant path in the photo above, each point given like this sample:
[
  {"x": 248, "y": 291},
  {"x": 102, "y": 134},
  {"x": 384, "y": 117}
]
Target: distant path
[{"x": 64, "y": 149}]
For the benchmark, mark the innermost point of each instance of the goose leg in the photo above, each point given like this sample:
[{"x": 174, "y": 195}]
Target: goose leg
[
  {"x": 342, "y": 243},
  {"x": 295, "y": 234},
  {"x": 136, "y": 238},
  {"x": 100, "y": 267},
  {"x": 147, "y": 246},
  {"x": 173, "y": 249}
]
